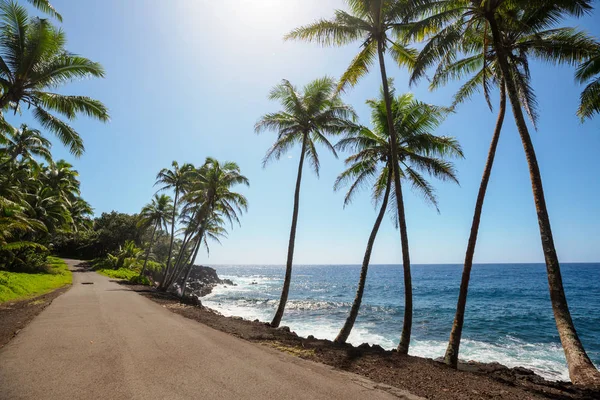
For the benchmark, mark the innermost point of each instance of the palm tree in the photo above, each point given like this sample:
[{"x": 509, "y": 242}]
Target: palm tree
[
  {"x": 49, "y": 207},
  {"x": 589, "y": 72},
  {"x": 175, "y": 179},
  {"x": 45, "y": 7},
  {"x": 32, "y": 60},
  {"x": 419, "y": 150},
  {"x": 156, "y": 214},
  {"x": 373, "y": 23},
  {"x": 81, "y": 211},
  {"x": 481, "y": 67},
  {"x": 26, "y": 143},
  {"x": 211, "y": 199},
  {"x": 452, "y": 21},
  {"x": 62, "y": 179},
  {"x": 307, "y": 118}
]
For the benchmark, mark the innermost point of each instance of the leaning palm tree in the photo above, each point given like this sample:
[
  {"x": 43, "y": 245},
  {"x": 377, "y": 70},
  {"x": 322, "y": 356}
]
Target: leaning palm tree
[
  {"x": 307, "y": 118},
  {"x": 380, "y": 26},
  {"x": 589, "y": 72},
  {"x": 419, "y": 151},
  {"x": 480, "y": 66},
  {"x": 156, "y": 214},
  {"x": 451, "y": 22},
  {"x": 174, "y": 179},
  {"x": 26, "y": 143},
  {"x": 33, "y": 59},
  {"x": 211, "y": 227},
  {"x": 210, "y": 199}
]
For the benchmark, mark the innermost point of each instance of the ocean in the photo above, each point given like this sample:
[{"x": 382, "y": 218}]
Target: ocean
[{"x": 508, "y": 318}]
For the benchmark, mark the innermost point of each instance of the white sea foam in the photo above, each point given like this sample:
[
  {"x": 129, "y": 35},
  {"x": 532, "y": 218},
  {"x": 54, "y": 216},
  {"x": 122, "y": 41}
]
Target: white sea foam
[{"x": 249, "y": 301}]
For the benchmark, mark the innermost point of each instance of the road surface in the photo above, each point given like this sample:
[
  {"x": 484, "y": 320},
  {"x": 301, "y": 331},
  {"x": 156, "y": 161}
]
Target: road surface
[{"x": 103, "y": 341}]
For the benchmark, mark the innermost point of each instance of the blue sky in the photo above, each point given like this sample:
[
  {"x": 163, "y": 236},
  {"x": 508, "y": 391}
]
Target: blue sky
[{"x": 188, "y": 79}]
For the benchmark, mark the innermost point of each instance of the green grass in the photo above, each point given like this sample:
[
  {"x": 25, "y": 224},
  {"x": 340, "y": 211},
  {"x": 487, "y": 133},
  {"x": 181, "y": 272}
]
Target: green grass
[
  {"x": 19, "y": 286},
  {"x": 121, "y": 273}
]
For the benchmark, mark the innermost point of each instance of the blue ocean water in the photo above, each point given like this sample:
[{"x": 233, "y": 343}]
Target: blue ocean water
[{"x": 508, "y": 319}]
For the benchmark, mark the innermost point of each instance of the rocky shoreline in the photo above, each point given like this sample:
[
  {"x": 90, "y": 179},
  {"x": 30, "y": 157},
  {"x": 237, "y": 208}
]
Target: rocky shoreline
[
  {"x": 424, "y": 377},
  {"x": 202, "y": 281}
]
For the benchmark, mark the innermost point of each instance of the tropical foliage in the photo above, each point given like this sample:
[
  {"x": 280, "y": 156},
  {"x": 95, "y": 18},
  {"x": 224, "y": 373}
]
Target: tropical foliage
[
  {"x": 589, "y": 73},
  {"x": 381, "y": 28},
  {"x": 419, "y": 151},
  {"x": 39, "y": 201},
  {"x": 307, "y": 118},
  {"x": 206, "y": 205},
  {"x": 517, "y": 32}
]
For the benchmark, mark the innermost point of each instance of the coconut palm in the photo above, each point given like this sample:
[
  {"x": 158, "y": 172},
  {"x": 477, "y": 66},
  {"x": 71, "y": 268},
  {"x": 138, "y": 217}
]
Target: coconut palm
[
  {"x": 589, "y": 72},
  {"x": 33, "y": 59},
  {"x": 62, "y": 179},
  {"x": 26, "y": 143},
  {"x": 49, "y": 207},
  {"x": 307, "y": 118},
  {"x": 157, "y": 214},
  {"x": 380, "y": 26},
  {"x": 210, "y": 227},
  {"x": 480, "y": 67},
  {"x": 173, "y": 179},
  {"x": 81, "y": 211},
  {"x": 451, "y": 22},
  {"x": 210, "y": 200},
  {"x": 419, "y": 151}
]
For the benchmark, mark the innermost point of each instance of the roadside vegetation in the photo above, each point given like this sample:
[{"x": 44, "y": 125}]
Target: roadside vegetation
[
  {"x": 20, "y": 285},
  {"x": 40, "y": 198}
]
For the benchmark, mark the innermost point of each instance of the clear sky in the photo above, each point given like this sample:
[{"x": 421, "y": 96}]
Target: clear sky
[{"x": 187, "y": 79}]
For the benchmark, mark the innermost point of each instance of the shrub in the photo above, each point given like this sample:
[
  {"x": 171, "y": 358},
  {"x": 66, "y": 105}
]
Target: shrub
[
  {"x": 141, "y": 280},
  {"x": 24, "y": 257}
]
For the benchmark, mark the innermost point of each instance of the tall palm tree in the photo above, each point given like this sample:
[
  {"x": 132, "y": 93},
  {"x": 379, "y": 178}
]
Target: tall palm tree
[
  {"x": 589, "y": 72},
  {"x": 156, "y": 214},
  {"x": 480, "y": 66},
  {"x": 211, "y": 200},
  {"x": 33, "y": 59},
  {"x": 174, "y": 179},
  {"x": 26, "y": 143},
  {"x": 307, "y": 118},
  {"x": 419, "y": 150},
  {"x": 452, "y": 20},
  {"x": 380, "y": 26}
]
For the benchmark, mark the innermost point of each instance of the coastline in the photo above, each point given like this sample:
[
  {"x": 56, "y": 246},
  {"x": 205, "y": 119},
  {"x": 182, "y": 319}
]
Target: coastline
[{"x": 421, "y": 376}]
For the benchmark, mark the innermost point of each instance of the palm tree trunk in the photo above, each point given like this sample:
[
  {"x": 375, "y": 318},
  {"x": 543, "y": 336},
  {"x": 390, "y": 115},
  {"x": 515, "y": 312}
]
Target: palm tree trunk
[
  {"x": 451, "y": 357},
  {"x": 191, "y": 264},
  {"x": 347, "y": 328},
  {"x": 148, "y": 251},
  {"x": 167, "y": 278},
  {"x": 407, "y": 325},
  {"x": 581, "y": 368},
  {"x": 290, "y": 257},
  {"x": 172, "y": 229}
]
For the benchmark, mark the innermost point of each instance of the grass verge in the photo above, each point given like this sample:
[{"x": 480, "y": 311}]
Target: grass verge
[
  {"x": 126, "y": 274},
  {"x": 19, "y": 286}
]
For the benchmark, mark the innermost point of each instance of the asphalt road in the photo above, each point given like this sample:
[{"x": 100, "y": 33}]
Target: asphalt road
[{"x": 103, "y": 341}]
